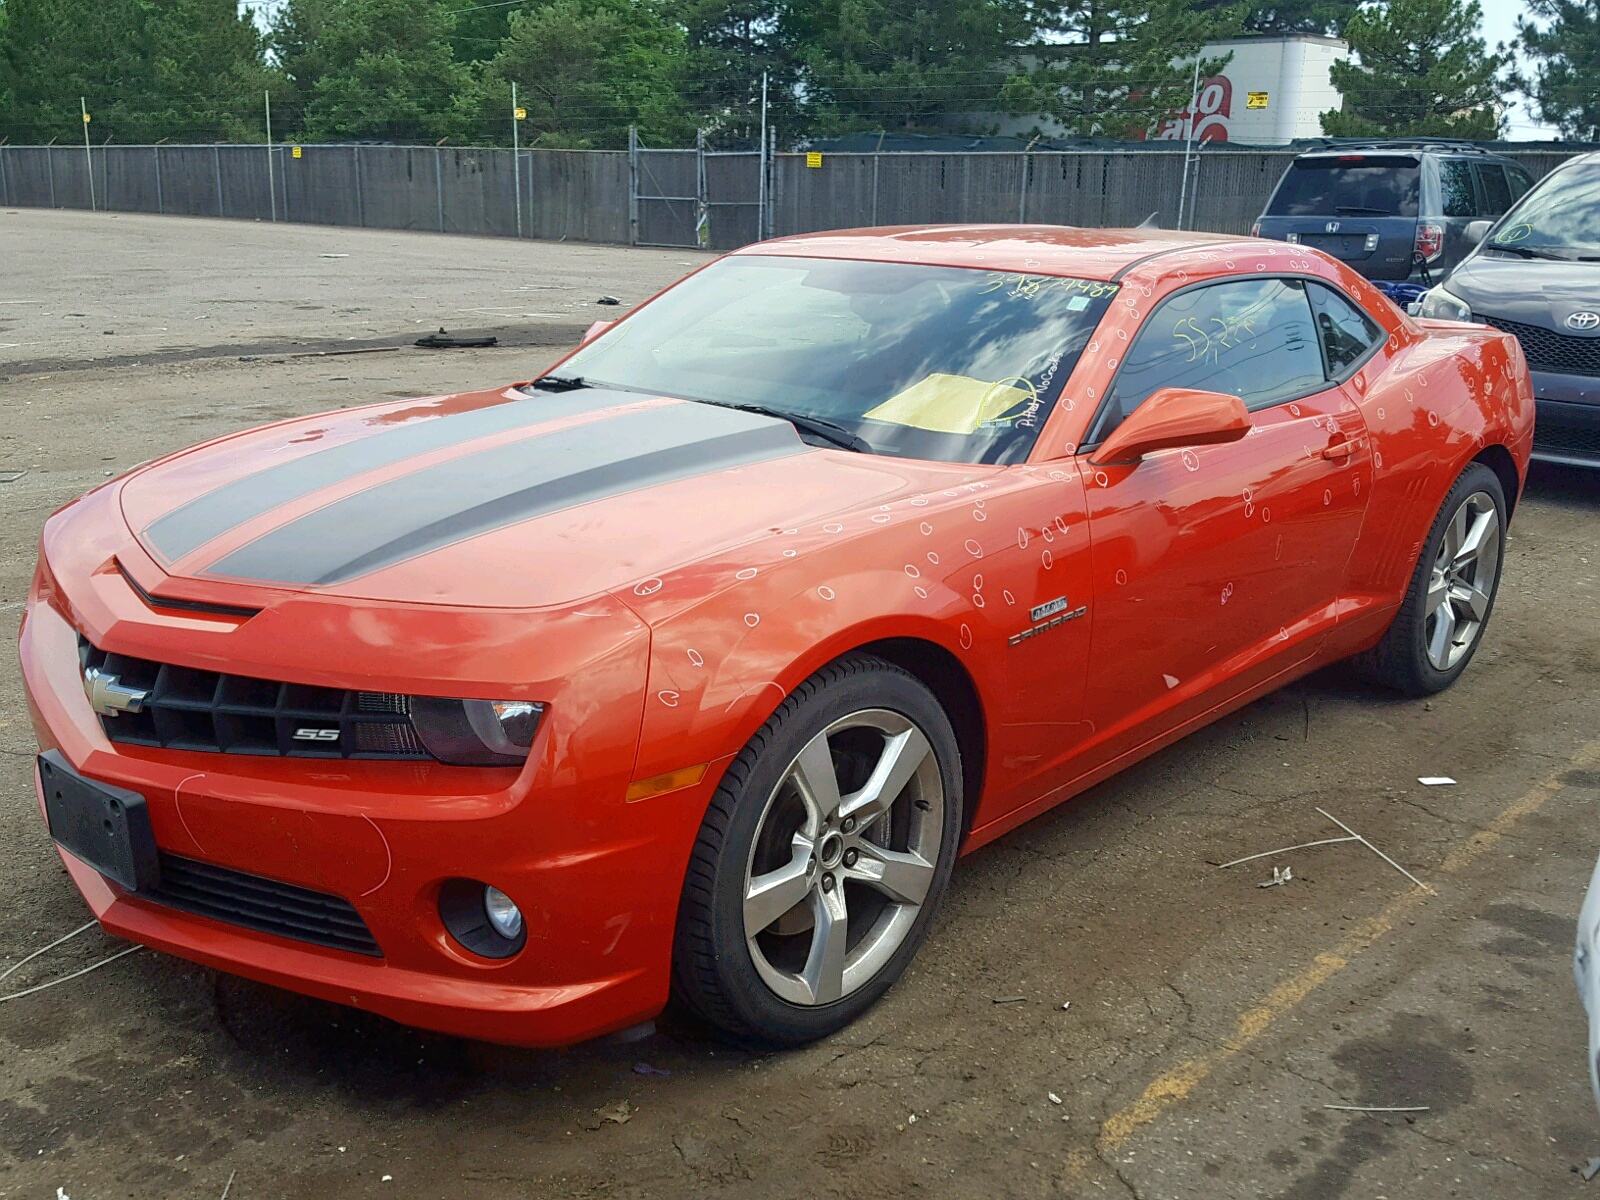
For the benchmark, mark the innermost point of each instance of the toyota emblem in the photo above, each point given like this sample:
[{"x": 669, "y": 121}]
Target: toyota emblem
[{"x": 1584, "y": 321}]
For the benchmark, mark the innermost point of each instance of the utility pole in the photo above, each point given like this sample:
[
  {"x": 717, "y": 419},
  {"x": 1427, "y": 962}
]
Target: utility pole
[
  {"x": 761, "y": 160},
  {"x": 88, "y": 158},
  {"x": 516, "y": 155},
  {"x": 1188, "y": 141},
  {"x": 272, "y": 187}
]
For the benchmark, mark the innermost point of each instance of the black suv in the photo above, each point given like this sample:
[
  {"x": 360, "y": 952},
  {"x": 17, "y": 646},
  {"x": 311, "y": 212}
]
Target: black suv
[
  {"x": 1537, "y": 275},
  {"x": 1393, "y": 210}
]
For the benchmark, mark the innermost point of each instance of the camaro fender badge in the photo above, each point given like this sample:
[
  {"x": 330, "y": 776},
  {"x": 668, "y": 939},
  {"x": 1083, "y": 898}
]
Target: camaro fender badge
[
  {"x": 1058, "y": 613},
  {"x": 109, "y": 696}
]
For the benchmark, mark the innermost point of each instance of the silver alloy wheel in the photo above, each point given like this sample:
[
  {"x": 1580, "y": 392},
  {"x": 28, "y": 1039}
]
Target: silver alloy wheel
[
  {"x": 1462, "y": 584},
  {"x": 872, "y": 849}
]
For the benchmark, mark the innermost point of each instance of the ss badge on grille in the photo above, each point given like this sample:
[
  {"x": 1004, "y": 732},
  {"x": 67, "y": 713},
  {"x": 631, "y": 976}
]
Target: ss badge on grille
[{"x": 309, "y": 734}]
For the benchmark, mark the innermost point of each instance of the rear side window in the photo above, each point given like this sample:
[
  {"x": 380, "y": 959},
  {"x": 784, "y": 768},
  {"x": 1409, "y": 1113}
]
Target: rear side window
[
  {"x": 1455, "y": 182},
  {"x": 1496, "y": 191},
  {"x": 1348, "y": 185},
  {"x": 1252, "y": 338},
  {"x": 1347, "y": 332},
  {"x": 1520, "y": 182}
]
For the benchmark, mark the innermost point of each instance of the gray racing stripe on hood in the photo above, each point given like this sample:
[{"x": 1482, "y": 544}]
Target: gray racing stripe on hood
[
  {"x": 469, "y": 496},
  {"x": 191, "y": 525}
]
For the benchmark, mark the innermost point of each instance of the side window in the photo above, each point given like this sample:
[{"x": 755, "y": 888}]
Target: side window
[
  {"x": 1455, "y": 181},
  {"x": 1252, "y": 338},
  {"x": 1347, "y": 332},
  {"x": 1520, "y": 182},
  {"x": 1496, "y": 192}
]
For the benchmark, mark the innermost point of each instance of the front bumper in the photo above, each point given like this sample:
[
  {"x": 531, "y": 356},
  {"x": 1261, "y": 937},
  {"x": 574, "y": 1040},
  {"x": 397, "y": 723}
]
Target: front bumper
[
  {"x": 1567, "y": 426},
  {"x": 597, "y": 879}
]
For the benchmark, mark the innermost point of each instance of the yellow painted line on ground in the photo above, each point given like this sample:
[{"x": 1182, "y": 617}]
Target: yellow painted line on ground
[{"x": 1178, "y": 1083}]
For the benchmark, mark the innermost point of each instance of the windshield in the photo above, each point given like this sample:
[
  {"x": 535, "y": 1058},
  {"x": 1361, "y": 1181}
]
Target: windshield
[
  {"x": 1560, "y": 217},
  {"x": 945, "y": 363},
  {"x": 1352, "y": 184}
]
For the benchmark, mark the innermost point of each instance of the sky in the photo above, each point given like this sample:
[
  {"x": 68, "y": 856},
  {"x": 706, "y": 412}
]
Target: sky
[{"x": 1500, "y": 25}]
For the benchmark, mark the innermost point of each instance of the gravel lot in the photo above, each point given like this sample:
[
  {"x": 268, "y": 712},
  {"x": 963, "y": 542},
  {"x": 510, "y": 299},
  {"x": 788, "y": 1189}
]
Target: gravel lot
[{"x": 1211, "y": 1022}]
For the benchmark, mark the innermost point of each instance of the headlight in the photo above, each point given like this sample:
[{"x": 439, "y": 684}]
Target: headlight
[
  {"x": 1441, "y": 304},
  {"x": 476, "y": 733}
]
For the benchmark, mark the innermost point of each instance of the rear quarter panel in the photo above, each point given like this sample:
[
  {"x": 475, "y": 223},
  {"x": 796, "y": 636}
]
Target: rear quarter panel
[{"x": 1436, "y": 396}]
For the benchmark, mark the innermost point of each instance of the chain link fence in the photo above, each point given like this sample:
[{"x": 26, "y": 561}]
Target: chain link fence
[{"x": 691, "y": 198}]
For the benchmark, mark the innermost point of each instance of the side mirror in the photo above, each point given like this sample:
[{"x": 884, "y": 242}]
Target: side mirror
[
  {"x": 1476, "y": 231},
  {"x": 595, "y": 331},
  {"x": 1173, "y": 419}
]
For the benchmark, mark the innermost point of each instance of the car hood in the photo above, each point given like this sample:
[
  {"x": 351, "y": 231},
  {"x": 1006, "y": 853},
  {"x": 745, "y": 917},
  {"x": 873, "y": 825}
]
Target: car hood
[
  {"x": 1535, "y": 292},
  {"x": 500, "y": 499}
]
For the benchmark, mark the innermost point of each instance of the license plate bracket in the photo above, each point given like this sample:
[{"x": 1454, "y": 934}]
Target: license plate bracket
[{"x": 107, "y": 827}]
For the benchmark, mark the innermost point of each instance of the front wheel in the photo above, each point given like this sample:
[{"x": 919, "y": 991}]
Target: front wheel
[
  {"x": 822, "y": 857},
  {"x": 1441, "y": 622}
]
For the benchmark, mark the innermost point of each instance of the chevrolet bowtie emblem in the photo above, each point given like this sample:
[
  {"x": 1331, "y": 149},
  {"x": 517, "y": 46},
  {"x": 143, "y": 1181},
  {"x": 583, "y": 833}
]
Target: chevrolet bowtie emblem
[{"x": 109, "y": 696}]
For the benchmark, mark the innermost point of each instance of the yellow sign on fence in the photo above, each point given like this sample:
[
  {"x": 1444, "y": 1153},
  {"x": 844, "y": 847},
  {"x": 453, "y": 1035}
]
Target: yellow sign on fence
[
  {"x": 522, "y": 114},
  {"x": 813, "y": 158},
  {"x": 295, "y": 153},
  {"x": 1255, "y": 99},
  {"x": 85, "y": 118}
]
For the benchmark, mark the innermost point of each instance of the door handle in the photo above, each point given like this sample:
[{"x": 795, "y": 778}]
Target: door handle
[{"x": 1343, "y": 448}]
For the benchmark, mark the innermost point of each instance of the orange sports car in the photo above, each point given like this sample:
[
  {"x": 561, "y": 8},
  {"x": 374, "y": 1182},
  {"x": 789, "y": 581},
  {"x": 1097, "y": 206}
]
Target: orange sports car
[{"x": 690, "y": 667}]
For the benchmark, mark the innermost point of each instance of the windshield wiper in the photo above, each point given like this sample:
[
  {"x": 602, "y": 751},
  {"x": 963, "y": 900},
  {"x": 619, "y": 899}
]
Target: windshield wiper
[
  {"x": 818, "y": 426},
  {"x": 1530, "y": 252},
  {"x": 560, "y": 383},
  {"x": 1356, "y": 209}
]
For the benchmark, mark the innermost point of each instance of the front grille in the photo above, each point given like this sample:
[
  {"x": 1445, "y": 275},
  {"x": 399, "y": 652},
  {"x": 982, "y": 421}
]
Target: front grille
[
  {"x": 188, "y": 709},
  {"x": 264, "y": 905},
  {"x": 1547, "y": 350}
]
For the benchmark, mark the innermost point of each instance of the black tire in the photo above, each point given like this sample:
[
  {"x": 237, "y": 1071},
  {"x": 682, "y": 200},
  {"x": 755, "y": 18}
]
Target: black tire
[
  {"x": 715, "y": 975},
  {"x": 1401, "y": 660}
]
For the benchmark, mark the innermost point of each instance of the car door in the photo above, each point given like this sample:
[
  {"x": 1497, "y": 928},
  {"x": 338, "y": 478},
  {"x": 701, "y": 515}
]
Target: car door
[{"x": 1216, "y": 568}]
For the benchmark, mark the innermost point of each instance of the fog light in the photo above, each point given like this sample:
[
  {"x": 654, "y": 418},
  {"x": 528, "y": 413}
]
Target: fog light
[
  {"x": 503, "y": 914},
  {"x": 482, "y": 918}
]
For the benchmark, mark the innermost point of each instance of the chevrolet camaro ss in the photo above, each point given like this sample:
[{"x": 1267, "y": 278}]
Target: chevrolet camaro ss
[{"x": 690, "y": 667}]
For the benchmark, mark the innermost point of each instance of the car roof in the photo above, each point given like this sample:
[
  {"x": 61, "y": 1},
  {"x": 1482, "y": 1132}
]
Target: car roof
[
  {"x": 1578, "y": 160},
  {"x": 1031, "y": 249},
  {"x": 1408, "y": 149}
]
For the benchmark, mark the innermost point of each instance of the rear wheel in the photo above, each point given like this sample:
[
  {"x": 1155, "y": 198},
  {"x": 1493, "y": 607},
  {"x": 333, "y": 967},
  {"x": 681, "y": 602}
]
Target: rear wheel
[
  {"x": 1440, "y": 624},
  {"x": 821, "y": 858}
]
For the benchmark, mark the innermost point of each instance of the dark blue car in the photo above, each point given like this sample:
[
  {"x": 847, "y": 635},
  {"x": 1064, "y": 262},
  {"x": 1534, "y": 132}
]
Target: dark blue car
[{"x": 1393, "y": 210}]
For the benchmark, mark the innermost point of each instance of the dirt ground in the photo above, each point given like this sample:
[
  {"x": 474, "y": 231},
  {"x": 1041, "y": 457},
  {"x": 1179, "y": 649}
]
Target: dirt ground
[{"x": 1211, "y": 1023}]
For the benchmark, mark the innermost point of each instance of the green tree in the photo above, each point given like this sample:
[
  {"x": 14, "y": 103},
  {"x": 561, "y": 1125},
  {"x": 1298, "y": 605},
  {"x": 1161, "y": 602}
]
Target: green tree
[
  {"x": 373, "y": 69},
  {"x": 150, "y": 69},
  {"x": 585, "y": 70},
  {"x": 730, "y": 43},
  {"x": 933, "y": 65},
  {"x": 1117, "y": 68},
  {"x": 1421, "y": 70},
  {"x": 1565, "y": 54},
  {"x": 479, "y": 31},
  {"x": 1327, "y": 17},
  {"x": 295, "y": 40}
]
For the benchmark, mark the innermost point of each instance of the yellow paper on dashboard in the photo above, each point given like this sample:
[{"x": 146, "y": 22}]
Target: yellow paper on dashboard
[{"x": 943, "y": 403}]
